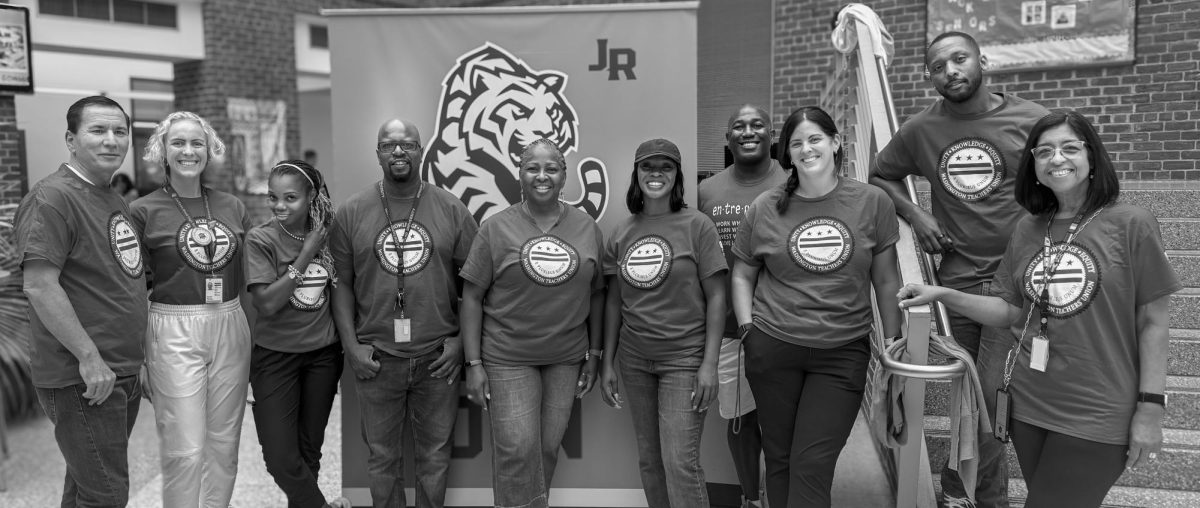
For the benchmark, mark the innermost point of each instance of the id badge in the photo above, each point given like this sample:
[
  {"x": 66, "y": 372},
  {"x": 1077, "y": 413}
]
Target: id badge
[
  {"x": 1040, "y": 353},
  {"x": 214, "y": 289},
  {"x": 1003, "y": 404},
  {"x": 403, "y": 328}
]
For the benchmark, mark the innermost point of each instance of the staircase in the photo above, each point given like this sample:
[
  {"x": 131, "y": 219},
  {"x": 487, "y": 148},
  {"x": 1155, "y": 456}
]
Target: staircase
[{"x": 1173, "y": 479}]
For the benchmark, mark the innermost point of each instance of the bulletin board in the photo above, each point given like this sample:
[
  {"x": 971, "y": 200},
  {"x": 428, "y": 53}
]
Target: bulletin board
[{"x": 1041, "y": 34}]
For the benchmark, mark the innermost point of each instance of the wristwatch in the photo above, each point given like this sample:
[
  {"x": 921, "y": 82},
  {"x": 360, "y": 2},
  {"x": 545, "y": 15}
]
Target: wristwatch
[{"x": 1153, "y": 398}]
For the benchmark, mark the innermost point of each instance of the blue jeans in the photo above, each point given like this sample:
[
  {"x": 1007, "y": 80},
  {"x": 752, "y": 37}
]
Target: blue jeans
[
  {"x": 529, "y": 412},
  {"x": 403, "y": 391},
  {"x": 94, "y": 441},
  {"x": 668, "y": 430},
  {"x": 988, "y": 346}
]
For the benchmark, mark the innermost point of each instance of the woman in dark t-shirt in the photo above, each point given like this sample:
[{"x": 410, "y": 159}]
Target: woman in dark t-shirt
[
  {"x": 197, "y": 338},
  {"x": 807, "y": 256},
  {"x": 297, "y": 359},
  {"x": 531, "y": 314},
  {"x": 1085, "y": 288},
  {"x": 666, "y": 310}
]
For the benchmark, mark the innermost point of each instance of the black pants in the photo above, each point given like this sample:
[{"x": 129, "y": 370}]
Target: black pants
[
  {"x": 807, "y": 401},
  {"x": 1062, "y": 471},
  {"x": 745, "y": 445},
  {"x": 293, "y": 396}
]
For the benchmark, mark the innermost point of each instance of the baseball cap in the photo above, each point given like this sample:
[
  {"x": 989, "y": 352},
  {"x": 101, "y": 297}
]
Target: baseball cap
[{"x": 654, "y": 147}]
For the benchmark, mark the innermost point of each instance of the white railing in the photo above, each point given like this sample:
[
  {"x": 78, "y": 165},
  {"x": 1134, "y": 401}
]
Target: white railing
[{"x": 859, "y": 98}]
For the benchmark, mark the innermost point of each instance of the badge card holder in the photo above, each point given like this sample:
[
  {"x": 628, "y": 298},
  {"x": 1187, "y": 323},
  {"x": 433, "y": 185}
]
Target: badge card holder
[{"x": 401, "y": 324}]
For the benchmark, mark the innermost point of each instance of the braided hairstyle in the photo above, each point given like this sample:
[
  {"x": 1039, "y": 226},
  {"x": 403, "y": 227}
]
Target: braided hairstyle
[
  {"x": 320, "y": 208},
  {"x": 825, "y": 122}
]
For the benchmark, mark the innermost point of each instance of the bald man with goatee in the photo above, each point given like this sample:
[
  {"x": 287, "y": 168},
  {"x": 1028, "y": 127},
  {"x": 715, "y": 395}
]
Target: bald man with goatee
[{"x": 398, "y": 246}]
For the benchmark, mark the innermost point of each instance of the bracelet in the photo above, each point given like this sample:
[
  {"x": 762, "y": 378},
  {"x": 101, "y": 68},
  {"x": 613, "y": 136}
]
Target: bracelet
[
  {"x": 1152, "y": 398},
  {"x": 744, "y": 330},
  {"x": 472, "y": 363},
  {"x": 593, "y": 353},
  {"x": 294, "y": 274}
]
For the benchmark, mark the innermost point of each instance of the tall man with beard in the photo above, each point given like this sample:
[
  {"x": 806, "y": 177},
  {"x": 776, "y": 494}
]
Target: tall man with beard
[
  {"x": 724, "y": 198},
  {"x": 968, "y": 145},
  {"x": 398, "y": 246}
]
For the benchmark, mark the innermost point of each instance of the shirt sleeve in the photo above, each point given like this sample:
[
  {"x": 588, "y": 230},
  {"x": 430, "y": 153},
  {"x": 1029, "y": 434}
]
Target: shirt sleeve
[
  {"x": 478, "y": 267},
  {"x": 1005, "y": 282},
  {"x": 598, "y": 281},
  {"x": 1151, "y": 270},
  {"x": 611, "y": 256},
  {"x": 260, "y": 259},
  {"x": 42, "y": 232},
  {"x": 340, "y": 248},
  {"x": 894, "y": 162},
  {"x": 743, "y": 242},
  {"x": 467, "y": 230},
  {"x": 710, "y": 259},
  {"x": 887, "y": 226}
]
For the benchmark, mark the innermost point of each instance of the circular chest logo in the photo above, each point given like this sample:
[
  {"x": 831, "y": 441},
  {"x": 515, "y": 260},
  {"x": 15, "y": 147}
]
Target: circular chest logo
[
  {"x": 548, "y": 260},
  {"x": 1073, "y": 283},
  {"x": 124, "y": 244},
  {"x": 206, "y": 245},
  {"x": 971, "y": 169},
  {"x": 412, "y": 251},
  {"x": 821, "y": 245},
  {"x": 647, "y": 262},
  {"x": 309, "y": 295}
]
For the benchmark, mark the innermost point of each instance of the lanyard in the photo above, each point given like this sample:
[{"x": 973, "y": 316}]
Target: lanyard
[
  {"x": 201, "y": 234},
  {"x": 412, "y": 213},
  {"x": 1043, "y": 300}
]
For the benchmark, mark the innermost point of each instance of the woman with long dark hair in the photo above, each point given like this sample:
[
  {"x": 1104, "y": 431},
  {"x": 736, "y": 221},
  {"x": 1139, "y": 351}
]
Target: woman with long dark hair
[
  {"x": 664, "y": 316},
  {"x": 297, "y": 359},
  {"x": 808, "y": 254},
  {"x": 1085, "y": 288}
]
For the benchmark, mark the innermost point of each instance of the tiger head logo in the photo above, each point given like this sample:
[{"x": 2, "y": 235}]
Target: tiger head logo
[{"x": 492, "y": 105}]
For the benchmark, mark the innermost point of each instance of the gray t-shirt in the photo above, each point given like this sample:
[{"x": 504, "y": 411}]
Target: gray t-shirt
[
  {"x": 304, "y": 323},
  {"x": 87, "y": 233}
]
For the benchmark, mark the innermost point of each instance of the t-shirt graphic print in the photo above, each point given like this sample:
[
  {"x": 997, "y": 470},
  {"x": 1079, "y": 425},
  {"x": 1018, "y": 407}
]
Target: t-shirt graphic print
[
  {"x": 647, "y": 262},
  {"x": 548, "y": 260},
  {"x": 416, "y": 247},
  {"x": 821, "y": 245},
  {"x": 970, "y": 169}
]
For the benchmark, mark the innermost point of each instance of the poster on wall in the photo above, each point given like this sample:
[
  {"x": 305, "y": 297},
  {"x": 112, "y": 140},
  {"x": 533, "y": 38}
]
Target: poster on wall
[
  {"x": 258, "y": 139},
  {"x": 1040, "y": 34},
  {"x": 16, "y": 57},
  {"x": 480, "y": 84}
]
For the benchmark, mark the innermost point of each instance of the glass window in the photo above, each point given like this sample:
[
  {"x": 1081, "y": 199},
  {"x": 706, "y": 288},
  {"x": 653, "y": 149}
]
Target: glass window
[
  {"x": 161, "y": 15},
  {"x": 92, "y": 9},
  {"x": 318, "y": 36},
  {"x": 129, "y": 11},
  {"x": 57, "y": 7}
]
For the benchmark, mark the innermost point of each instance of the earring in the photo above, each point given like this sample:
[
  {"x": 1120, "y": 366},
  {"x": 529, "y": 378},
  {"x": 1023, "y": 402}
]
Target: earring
[
  {"x": 1091, "y": 177},
  {"x": 1039, "y": 184}
]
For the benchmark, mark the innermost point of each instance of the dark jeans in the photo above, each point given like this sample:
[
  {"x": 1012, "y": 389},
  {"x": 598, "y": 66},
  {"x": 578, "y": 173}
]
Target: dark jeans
[
  {"x": 807, "y": 401},
  {"x": 293, "y": 396},
  {"x": 667, "y": 429},
  {"x": 988, "y": 346},
  {"x": 94, "y": 441},
  {"x": 1063, "y": 471},
  {"x": 403, "y": 391}
]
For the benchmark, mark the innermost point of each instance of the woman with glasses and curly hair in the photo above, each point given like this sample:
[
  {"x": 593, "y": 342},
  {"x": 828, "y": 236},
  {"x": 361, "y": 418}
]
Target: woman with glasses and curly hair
[
  {"x": 1085, "y": 288},
  {"x": 297, "y": 359},
  {"x": 198, "y": 340}
]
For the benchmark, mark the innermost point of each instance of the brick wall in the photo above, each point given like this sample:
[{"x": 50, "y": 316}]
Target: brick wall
[
  {"x": 13, "y": 182},
  {"x": 1148, "y": 113}
]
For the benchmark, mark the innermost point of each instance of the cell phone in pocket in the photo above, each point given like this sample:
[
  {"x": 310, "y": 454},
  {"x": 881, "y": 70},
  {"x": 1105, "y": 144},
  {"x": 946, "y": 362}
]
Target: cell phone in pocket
[{"x": 1003, "y": 405}]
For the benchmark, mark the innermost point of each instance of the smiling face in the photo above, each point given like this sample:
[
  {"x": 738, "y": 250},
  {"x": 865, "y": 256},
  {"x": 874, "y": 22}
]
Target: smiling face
[
  {"x": 955, "y": 68},
  {"x": 1065, "y": 172},
  {"x": 812, "y": 150},
  {"x": 656, "y": 177},
  {"x": 288, "y": 196},
  {"x": 542, "y": 175},
  {"x": 749, "y": 136},
  {"x": 186, "y": 148},
  {"x": 100, "y": 142},
  {"x": 399, "y": 165}
]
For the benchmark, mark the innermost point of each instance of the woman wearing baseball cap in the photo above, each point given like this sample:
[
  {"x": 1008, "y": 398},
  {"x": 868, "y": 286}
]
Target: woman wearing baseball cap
[{"x": 664, "y": 314}]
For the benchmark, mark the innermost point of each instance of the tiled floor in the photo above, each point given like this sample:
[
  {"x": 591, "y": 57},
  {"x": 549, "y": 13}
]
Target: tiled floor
[{"x": 35, "y": 469}]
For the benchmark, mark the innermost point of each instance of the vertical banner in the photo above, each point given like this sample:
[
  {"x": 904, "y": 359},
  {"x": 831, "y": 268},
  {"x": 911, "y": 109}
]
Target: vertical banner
[
  {"x": 16, "y": 56},
  {"x": 480, "y": 84},
  {"x": 258, "y": 139}
]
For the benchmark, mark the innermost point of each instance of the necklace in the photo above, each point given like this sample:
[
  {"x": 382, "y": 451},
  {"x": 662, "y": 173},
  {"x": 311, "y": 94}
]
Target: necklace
[{"x": 289, "y": 233}]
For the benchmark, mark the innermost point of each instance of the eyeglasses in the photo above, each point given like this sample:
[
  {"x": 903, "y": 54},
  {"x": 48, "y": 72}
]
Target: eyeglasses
[
  {"x": 1068, "y": 150},
  {"x": 390, "y": 146}
]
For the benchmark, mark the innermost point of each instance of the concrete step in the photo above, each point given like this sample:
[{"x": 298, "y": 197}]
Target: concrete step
[
  {"x": 1180, "y": 233},
  {"x": 1185, "y": 308},
  {"x": 1183, "y": 354},
  {"x": 1183, "y": 407},
  {"x": 1163, "y": 198},
  {"x": 1118, "y": 497},
  {"x": 1176, "y": 467},
  {"x": 1187, "y": 266}
]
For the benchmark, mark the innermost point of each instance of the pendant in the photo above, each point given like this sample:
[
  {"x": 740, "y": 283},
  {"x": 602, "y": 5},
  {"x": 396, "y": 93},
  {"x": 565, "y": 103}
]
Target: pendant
[{"x": 202, "y": 236}]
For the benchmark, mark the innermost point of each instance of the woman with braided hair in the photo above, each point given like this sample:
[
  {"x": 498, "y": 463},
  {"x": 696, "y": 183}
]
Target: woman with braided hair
[{"x": 297, "y": 358}]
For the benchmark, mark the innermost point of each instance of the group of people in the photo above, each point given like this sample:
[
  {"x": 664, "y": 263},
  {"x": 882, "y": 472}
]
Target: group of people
[{"x": 759, "y": 299}]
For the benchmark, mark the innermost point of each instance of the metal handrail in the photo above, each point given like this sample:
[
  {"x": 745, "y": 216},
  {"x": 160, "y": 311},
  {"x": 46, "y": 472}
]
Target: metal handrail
[{"x": 948, "y": 371}]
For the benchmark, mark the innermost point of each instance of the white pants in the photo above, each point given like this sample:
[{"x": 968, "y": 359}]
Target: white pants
[{"x": 198, "y": 361}]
